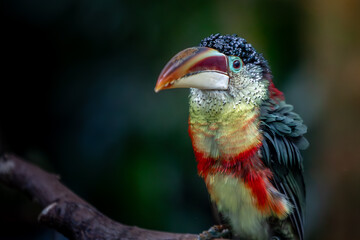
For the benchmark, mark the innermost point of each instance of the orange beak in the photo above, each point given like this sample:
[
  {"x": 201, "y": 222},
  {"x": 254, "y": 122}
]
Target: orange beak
[{"x": 197, "y": 67}]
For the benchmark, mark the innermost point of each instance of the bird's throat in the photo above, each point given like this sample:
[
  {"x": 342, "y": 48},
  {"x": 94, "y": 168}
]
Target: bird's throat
[{"x": 224, "y": 134}]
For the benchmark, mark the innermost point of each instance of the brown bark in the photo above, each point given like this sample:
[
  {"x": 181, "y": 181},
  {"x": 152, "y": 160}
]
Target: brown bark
[{"x": 66, "y": 212}]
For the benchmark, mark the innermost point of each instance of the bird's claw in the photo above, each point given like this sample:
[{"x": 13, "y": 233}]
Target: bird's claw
[{"x": 216, "y": 231}]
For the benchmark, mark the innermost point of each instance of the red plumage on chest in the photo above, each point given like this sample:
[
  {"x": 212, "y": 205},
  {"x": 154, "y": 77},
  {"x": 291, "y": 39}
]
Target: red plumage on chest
[{"x": 248, "y": 168}]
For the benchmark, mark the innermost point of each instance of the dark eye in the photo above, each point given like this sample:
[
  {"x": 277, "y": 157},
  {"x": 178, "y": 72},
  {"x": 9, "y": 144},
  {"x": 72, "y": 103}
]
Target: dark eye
[{"x": 236, "y": 64}]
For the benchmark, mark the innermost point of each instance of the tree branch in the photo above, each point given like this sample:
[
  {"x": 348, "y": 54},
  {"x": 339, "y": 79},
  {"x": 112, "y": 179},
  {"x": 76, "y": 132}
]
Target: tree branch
[{"x": 64, "y": 210}]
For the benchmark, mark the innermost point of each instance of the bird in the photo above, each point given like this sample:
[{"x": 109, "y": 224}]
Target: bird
[{"x": 246, "y": 139}]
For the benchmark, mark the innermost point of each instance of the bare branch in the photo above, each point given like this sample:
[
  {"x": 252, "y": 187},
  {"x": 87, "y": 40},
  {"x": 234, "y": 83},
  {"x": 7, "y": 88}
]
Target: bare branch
[{"x": 65, "y": 211}]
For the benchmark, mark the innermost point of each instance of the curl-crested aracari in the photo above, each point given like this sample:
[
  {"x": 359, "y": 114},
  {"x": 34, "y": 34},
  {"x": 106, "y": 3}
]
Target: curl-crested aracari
[{"x": 245, "y": 137}]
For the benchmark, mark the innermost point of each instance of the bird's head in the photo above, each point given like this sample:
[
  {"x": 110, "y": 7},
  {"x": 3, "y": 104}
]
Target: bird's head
[{"x": 224, "y": 68}]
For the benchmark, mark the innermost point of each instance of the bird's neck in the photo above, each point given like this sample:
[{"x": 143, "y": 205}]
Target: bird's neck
[{"x": 223, "y": 134}]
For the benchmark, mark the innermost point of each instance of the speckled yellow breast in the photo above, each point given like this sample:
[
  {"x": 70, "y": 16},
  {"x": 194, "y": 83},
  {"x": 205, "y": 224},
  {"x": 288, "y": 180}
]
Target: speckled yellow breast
[{"x": 227, "y": 133}]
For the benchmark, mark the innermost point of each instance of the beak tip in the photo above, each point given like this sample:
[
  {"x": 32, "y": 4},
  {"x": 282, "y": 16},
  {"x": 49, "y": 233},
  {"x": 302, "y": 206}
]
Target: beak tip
[{"x": 157, "y": 89}]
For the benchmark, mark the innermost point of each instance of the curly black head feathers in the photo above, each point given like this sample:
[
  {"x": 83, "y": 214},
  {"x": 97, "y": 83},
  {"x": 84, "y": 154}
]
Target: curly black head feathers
[{"x": 237, "y": 46}]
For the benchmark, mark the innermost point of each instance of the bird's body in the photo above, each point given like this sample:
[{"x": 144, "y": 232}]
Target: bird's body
[
  {"x": 246, "y": 140},
  {"x": 226, "y": 144}
]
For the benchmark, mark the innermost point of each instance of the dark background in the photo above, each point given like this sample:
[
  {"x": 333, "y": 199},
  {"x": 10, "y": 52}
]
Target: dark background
[{"x": 76, "y": 98}]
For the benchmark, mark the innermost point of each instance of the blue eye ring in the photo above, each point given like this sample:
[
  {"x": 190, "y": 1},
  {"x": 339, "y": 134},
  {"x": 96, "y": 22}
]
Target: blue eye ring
[{"x": 235, "y": 63}]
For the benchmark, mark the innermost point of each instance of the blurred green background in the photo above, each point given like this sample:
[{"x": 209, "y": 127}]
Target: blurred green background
[{"x": 77, "y": 98}]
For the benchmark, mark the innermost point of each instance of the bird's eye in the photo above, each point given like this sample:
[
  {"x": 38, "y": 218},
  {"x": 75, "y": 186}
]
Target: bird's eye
[{"x": 235, "y": 63}]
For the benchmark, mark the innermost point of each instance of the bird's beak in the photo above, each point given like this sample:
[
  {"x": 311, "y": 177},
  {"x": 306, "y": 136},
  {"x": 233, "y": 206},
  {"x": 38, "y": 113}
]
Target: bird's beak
[{"x": 197, "y": 67}]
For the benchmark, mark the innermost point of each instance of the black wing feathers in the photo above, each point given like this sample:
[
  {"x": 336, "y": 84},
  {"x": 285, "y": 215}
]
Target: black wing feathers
[{"x": 283, "y": 139}]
